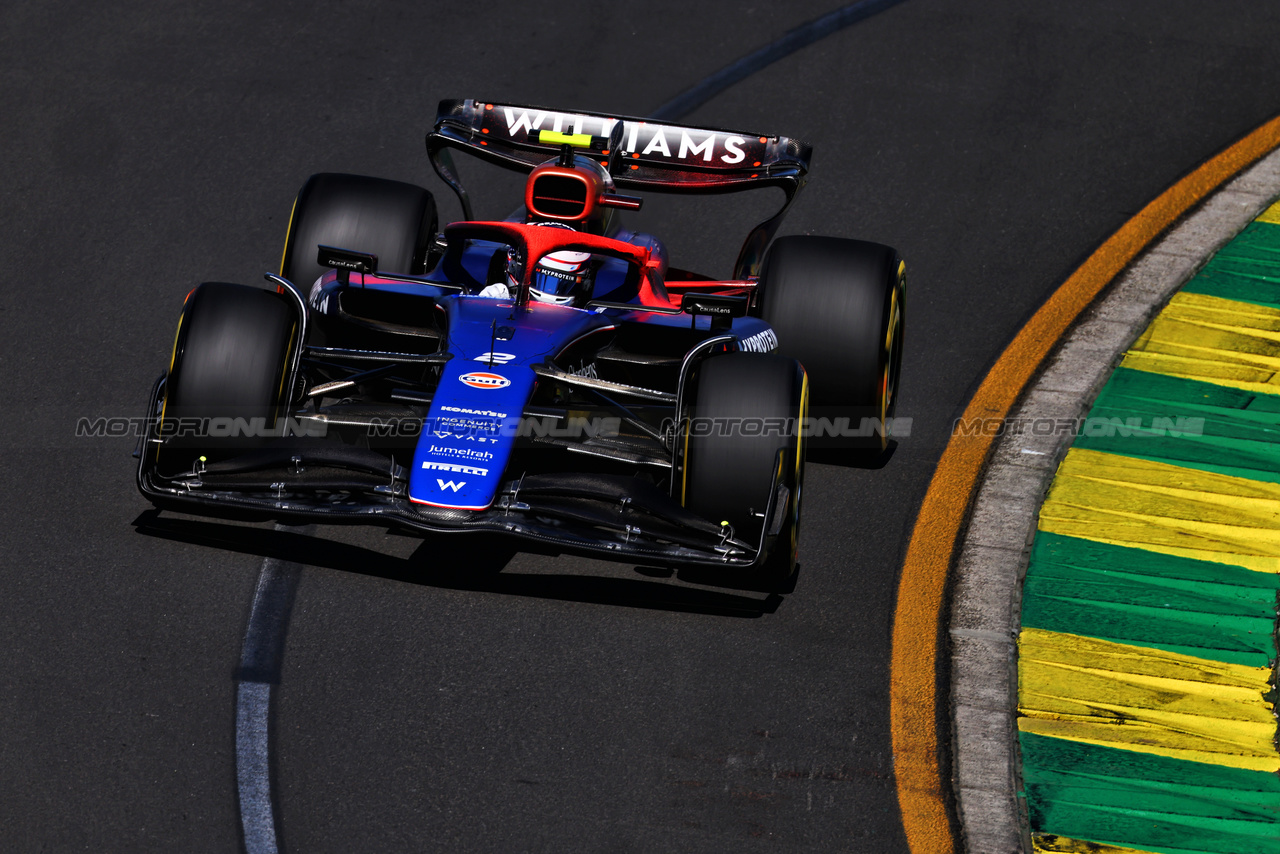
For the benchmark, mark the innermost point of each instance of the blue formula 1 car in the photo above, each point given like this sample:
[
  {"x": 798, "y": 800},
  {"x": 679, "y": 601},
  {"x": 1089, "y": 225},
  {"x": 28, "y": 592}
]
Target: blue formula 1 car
[{"x": 551, "y": 376}]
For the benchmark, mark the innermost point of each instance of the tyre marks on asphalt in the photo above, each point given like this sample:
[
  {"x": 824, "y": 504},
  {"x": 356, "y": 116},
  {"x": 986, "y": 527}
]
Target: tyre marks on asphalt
[
  {"x": 253, "y": 767},
  {"x": 800, "y": 37},
  {"x": 260, "y": 660}
]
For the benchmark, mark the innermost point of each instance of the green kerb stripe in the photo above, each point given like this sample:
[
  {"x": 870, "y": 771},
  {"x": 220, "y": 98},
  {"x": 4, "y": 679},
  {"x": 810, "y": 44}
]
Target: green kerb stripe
[
  {"x": 1126, "y": 595},
  {"x": 1246, "y": 269},
  {"x": 1196, "y": 424},
  {"x": 1155, "y": 803},
  {"x": 1198, "y": 398}
]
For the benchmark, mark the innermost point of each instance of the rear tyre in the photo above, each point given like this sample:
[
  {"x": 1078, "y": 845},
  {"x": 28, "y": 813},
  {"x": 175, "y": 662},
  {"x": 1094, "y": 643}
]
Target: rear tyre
[
  {"x": 744, "y": 430},
  {"x": 837, "y": 306},
  {"x": 226, "y": 383},
  {"x": 391, "y": 219}
]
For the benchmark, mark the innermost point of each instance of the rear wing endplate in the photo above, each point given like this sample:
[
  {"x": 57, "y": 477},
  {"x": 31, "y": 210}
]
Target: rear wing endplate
[{"x": 653, "y": 156}]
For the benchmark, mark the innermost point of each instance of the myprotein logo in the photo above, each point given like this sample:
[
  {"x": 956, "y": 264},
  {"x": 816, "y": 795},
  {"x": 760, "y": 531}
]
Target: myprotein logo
[
  {"x": 761, "y": 342},
  {"x": 484, "y": 379}
]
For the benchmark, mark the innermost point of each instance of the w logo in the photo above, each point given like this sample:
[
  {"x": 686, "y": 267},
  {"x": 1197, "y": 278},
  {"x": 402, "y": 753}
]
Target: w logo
[{"x": 449, "y": 484}]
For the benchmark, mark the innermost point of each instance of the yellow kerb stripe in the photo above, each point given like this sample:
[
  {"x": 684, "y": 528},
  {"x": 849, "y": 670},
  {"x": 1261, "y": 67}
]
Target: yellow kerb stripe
[
  {"x": 1047, "y": 844},
  {"x": 1271, "y": 214},
  {"x": 1145, "y": 700},
  {"x": 1165, "y": 508},
  {"x": 1214, "y": 340}
]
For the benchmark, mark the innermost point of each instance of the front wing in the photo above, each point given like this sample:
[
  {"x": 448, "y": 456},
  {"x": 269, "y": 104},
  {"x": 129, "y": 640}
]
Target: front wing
[{"x": 610, "y": 516}]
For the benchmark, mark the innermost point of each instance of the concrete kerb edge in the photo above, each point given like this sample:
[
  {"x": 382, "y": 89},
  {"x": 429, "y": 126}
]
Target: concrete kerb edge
[{"x": 987, "y": 584}]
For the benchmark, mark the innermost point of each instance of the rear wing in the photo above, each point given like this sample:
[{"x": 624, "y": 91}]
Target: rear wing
[{"x": 651, "y": 156}]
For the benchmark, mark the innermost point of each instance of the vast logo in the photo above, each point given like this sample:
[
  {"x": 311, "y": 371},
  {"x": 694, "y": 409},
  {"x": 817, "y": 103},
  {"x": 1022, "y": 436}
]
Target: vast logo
[
  {"x": 449, "y": 484},
  {"x": 484, "y": 379}
]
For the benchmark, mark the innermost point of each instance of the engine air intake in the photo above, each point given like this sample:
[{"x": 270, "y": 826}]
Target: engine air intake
[{"x": 559, "y": 196}]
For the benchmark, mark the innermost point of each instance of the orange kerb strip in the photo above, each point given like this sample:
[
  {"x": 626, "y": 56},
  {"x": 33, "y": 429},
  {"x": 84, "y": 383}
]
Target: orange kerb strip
[{"x": 916, "y": 627}]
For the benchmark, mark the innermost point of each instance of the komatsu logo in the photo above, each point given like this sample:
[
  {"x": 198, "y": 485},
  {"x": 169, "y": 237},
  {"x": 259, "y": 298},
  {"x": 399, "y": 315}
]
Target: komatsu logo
[
  {"x": 464, "y": 410},
  {"x": 639, "y": 138},
  {"x": 484, "y": 379}
]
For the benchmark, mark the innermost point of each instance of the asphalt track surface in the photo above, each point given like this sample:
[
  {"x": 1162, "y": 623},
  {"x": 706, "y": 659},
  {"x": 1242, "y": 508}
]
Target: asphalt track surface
[{"x": 456, "y": 695}]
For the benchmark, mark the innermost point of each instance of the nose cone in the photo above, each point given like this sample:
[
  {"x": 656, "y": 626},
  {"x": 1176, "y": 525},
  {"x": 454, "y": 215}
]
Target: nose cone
[{"x": 468, "y": 435}]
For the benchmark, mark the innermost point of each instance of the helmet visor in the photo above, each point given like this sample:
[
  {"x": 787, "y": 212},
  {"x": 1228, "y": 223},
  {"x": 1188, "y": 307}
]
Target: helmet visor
[{"x": 560, "y": 275}]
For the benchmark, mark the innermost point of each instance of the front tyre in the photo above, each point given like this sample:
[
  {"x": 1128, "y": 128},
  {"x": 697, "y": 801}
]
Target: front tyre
[
  {"x": 742, "y": 436},
  {"x": 226, "y": 387}
]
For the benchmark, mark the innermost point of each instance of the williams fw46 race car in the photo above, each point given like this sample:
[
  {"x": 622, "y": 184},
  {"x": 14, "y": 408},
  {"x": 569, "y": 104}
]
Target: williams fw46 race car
[{"x": 552, "y": 376}]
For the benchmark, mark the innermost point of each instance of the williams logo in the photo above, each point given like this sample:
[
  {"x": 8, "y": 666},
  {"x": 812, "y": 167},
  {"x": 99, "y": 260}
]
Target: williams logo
[
  {"x": 449, "y": 484},
  {"x": 484, "y": 379}
]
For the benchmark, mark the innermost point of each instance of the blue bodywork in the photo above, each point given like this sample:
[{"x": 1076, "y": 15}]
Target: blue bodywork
[
  {"x": 475, "y": 414},
  {"x": 467, "y": 439}
]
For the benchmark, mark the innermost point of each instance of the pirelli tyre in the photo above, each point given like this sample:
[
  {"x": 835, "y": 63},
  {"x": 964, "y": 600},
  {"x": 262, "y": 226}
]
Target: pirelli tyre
[
  {"x": 226, "y": 390},
  {"x": 390, "y": 219},
  {"x": 742, "y": 435},
  {"x": 837, "y": 306}
]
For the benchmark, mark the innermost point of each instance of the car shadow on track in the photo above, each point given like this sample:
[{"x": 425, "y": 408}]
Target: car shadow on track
[
  {"x": 452, "y": 563},
  {"x": 852, "y": 457}
]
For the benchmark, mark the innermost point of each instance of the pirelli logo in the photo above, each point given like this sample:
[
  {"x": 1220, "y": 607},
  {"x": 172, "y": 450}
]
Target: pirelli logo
[{"x": 453, "y": 467}]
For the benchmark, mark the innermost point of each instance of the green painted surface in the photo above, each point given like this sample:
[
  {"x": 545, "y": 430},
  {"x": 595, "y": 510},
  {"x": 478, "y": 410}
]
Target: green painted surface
[
  {"x": 1209, "y": 610},
  {"x": 1246, "y": 269},
  {"x": 1149, "y": 802},
  {"x": 1239, "y": 431},
  {"x": 1194, "y": 607}
]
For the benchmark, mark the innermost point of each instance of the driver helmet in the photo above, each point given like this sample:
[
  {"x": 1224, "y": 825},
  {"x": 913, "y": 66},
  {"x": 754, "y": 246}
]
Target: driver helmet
[{"x": 562, "y": 278}]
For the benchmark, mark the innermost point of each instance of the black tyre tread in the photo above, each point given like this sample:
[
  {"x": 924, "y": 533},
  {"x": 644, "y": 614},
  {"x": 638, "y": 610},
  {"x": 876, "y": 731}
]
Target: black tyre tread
[
  {"x": 391, "y": 219},
  {"x": 230, "y": 357},
  {"x": 726, "y": 477},
  {"x": 827, "y": 299}
]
